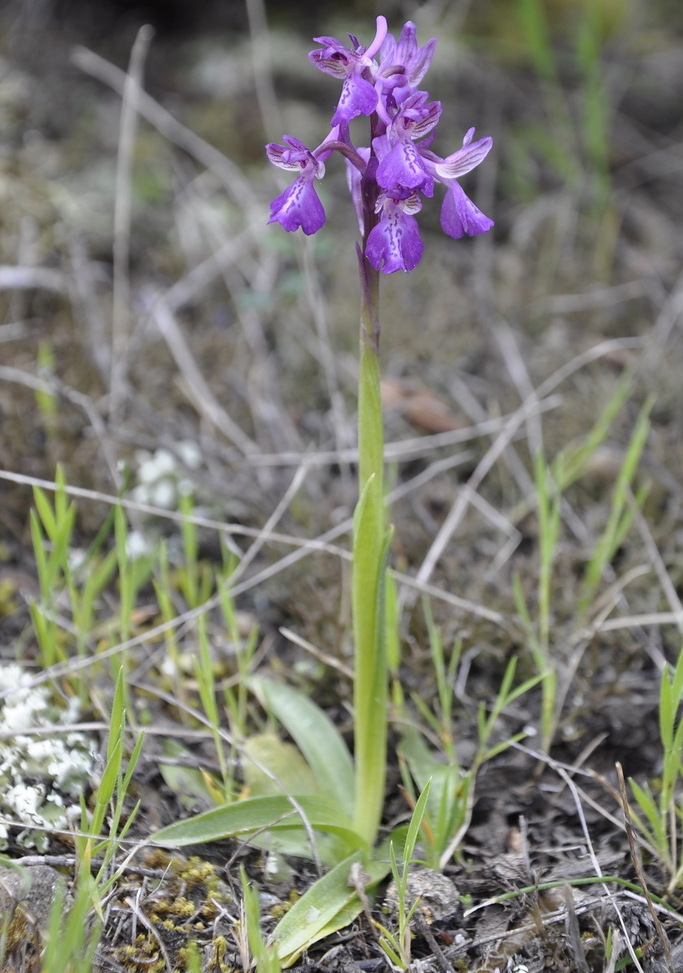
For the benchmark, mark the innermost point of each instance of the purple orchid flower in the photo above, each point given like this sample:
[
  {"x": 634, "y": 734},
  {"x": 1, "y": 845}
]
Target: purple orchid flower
[
  {"x": 459, "y": 215},
  {"x": 387, "y": 178},
  {"x": 299, "y": 205},
  {"x": 358, "y": 95},
  {"x": 400, "y": 160}
]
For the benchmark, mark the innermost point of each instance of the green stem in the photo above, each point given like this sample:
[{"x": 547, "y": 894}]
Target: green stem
[
  {"x": 370, "y": 543},
  {"x": 370, "y": 429}
]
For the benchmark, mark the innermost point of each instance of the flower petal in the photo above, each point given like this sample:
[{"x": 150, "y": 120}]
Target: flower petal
[
  {"x": 298, "y": 206},
  {"x": 465, "y": 159},
  {"x": 459, "y": 215},
  {"x": 402, "y": 166},
  {"x": 406, "y": 53},
  {"x": 394, "y": 243},
  {"x": 358, "y": 97},
  {"x": 334, "y": 58}
]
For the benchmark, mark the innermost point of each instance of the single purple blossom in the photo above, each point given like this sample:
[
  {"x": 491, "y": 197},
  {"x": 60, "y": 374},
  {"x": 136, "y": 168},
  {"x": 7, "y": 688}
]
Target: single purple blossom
[
  {"x": 459, "y": 215},
  {"x": 299, "y": 205},
  {"x": 295, "y": 157},
  {"x": 400, "y": 160},
  {"x": 394, "y": 242},
  {"x": 355, "y": 67}
]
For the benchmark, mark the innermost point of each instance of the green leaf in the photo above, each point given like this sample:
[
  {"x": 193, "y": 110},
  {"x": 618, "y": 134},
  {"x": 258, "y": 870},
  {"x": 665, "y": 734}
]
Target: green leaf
[
  {"x": 275, "y": 767},
  {"x": 648, "y": 805},
  {"x": 254, "y": 814},
  {"x": 45, "y": 512},
  {"x": 445, "y": 783},
  {"x": 186, "y": 782},
  {"x": 330, "y": 904},
  {"x": 422, "y": 762},
  {"x": 316, "y": 736},
  {"x": 415, "y": 824}
]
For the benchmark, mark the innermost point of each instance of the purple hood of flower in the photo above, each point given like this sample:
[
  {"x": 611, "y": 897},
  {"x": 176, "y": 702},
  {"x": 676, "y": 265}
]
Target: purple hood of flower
[
  {"x": 389, "y": 176},
  {"x": 407, "y": 55}
]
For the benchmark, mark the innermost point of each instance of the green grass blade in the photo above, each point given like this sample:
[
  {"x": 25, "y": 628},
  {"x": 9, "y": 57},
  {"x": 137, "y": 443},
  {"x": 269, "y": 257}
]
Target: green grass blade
[
  {"x": 45, "y": 512},
  {"x": 612, "y": 534},
  {"x": 533, "y": 19},
  {"x": 415, "y": 825},
  {"x": 571, "y": 464},
  {"x": 656, "y": 834},
  {"x": 264, "y": 955}
]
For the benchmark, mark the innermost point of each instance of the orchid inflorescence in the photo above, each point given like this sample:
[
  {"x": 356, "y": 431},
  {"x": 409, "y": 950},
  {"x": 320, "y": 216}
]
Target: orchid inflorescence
[{"x": 388, "y": 178}]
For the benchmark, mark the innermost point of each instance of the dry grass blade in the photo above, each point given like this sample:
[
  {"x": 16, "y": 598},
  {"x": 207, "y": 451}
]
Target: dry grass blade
[
  {"x": 464, "y": 497},
  {"x": 230, "y": 175},
  {"x": 197, "y": 389},
  {"x": 122, "y": 220},
  {"x": 32, "y": 278}
]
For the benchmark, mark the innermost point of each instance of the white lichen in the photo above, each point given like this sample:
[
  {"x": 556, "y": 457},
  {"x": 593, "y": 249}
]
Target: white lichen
[
  {"x": 160, "y": 478},
  {"x": 40, "y": 775}
]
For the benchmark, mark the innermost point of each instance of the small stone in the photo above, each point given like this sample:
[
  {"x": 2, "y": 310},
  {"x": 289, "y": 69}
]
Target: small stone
[
  {"x": 438, "y": 895},
  {"x": 26, "y": 897},
  {"x": 31, "y": 888}
]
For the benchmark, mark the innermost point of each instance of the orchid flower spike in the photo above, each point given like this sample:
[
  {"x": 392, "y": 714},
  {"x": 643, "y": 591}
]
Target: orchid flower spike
[{"x": 390, "y": 175}]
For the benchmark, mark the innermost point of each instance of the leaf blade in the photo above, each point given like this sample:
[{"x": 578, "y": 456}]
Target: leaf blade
[
  {"x": 316, "y": 736},
  {"x": 328, "y": 905},
  {"x": 255, "y": 814}
]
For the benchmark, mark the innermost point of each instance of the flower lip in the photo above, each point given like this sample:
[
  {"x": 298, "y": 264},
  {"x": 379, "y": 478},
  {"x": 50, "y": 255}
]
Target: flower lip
[
  {"x": 394, "y": 242},
  {"x": 358, "y": 97},
  {"x": 459, "y": 216},
  {"x": 298, "y": 206},
  {"x": 401, "y": 168}
]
